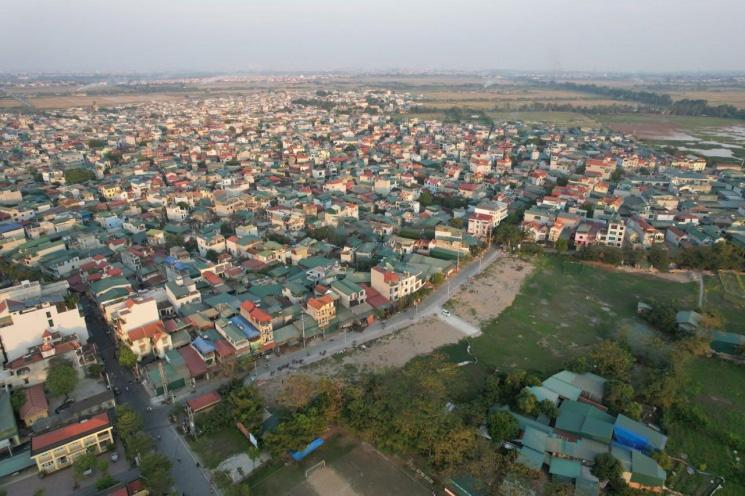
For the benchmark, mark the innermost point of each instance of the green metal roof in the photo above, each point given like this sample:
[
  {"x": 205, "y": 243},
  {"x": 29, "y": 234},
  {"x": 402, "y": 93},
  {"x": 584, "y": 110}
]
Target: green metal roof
[
  {"x": 565, "y": 468},
  {"x": 8, "y": 426}
]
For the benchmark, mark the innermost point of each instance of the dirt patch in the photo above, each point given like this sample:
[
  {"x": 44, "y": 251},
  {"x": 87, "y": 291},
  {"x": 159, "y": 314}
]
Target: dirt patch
[
  {"x": 485, "y": 296},
  {"x": 328, "y": 481},
  {"x": 389, "y": 352}
]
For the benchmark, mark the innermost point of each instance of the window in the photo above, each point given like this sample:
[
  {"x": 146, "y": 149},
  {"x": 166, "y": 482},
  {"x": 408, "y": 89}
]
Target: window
[
  {"x": 49, "y": 315},
  {"x": 50, "y": 322}
]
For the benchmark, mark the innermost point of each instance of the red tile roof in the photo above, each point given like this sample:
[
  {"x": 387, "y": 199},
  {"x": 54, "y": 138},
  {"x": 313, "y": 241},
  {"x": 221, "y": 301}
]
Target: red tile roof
[
  {"x": 69, "y": 433},
  {"x": 212, "y": 278},
  {"x": 193, "y": 361},
  {"x": 151, "y": 331},
  {"x": 203, "y": 401},
  {"x": 36, "y": 402},
  {"x": 223, "y": 348}
]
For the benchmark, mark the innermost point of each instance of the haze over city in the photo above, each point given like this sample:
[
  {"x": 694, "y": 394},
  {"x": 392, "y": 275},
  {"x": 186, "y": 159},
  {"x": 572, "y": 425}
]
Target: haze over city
[
  {"x": 262, "y": 35},
  {"x": 405, "y": 248}
]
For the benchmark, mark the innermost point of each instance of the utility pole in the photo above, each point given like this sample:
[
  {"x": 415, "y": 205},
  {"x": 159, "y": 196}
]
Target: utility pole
[
  {"x": 163, "y": 379},
  {"x": 302, "y": 320}
]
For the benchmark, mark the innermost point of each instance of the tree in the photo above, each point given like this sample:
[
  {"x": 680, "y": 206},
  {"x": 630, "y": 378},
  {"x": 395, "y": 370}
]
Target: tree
[
  {"x": 18, "y": 399},
  {"x": 562, "y": 245},
  {"x": 663, "y": 317},
  {"x": 607, "y": 467},
  {"x": 128, "y": 421},
  {"x": 618, "y": 395},
  {"x": 137, "y": 443},
  {"x": 526, "y": 402},
  {"x": 247, "y": 407},
  {"x": 226, "y": 229},
  {"x": 659, "y": 258},
  {"x": 105, "y": 482},
  {"x": 212, "y": 255},
  {"x": 611, "y": 360},
  {"x": 425, "y": 198},
  {"x": 502, "y": 426},
  {"x": 85, "y": 462},
  {"x": 452, "y": 448},
  {"x": 95, "y": 370},
  {"x": 127, "y": 357},
  {"x": 548, "y": 408},
  {"x": 61, "y": 377},
  {"x": 156, "y": 471}
]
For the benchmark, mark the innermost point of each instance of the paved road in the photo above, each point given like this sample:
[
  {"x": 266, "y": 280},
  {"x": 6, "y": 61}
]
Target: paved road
[
  {"x": 461, "y": 325},
  {"x": 432, "y": 305},
  {"x": 189, "y": 479}
]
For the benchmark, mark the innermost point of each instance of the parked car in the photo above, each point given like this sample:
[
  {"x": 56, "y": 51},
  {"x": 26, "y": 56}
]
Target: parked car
[
  {"x": 446, "y": 313},
  {"x": 65, "y": 404},
  {"x": 114, "y": 457}
]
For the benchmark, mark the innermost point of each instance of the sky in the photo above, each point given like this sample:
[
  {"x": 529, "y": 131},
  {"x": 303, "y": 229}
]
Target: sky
[{"x": 305, "y": 35}]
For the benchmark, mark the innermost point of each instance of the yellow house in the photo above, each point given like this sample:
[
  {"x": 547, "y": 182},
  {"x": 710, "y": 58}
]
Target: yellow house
[
  {"x": 322, "y": 310},
  {"x": 59, "y": 448}
]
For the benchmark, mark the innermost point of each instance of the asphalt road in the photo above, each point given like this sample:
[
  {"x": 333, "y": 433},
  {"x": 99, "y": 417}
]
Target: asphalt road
[
  {"x": 189, "y": 479},
  {"x": 192, "y": 480},
  {"x": 432, "y": 305}
]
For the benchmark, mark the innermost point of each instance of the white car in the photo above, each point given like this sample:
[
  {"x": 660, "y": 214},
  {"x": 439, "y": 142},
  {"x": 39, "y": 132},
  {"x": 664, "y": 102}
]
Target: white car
[{"x": 446, "y": 313}]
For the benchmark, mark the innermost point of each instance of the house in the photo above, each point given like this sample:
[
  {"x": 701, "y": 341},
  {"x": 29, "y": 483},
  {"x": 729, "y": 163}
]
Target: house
[
  {"x": 350, "y": 293},
  {"x": 322, "y": 310},
  {"x": 36, "y": 406},
  {"x": 59, "y": 448},
  {"x": 27, "y": 310},
  {"x": 148, "y": 339},
  {"x": 393, "y": 285},
  {"x": 203, "y": 402}
]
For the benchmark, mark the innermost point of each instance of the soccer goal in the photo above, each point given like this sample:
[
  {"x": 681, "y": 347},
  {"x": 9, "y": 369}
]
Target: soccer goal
[{"x": 317, "y": 466}]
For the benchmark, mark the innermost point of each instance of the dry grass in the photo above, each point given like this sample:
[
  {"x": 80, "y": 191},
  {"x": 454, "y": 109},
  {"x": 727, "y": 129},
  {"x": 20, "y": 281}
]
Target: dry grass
[
  {"x": 51, "y": 102},
  {"x": 734, "y": 97}
]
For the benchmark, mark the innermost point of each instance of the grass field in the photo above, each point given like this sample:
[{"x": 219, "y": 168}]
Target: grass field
[
  {"x": 351, "y": 469},
  {"x": 726, "y": 296},
  {"x": 656, "y": 125},
  {"x": 717, "y": 388},
  {"x": 563, "y": 309},
  {"x": 214, "y": 448}
]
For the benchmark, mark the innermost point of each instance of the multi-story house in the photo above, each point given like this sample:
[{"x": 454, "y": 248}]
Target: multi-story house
[
  {"x": 322, "y": 309},
  {"x": 393, "y": 285}
]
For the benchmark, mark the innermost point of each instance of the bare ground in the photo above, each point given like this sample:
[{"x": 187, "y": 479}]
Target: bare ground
[
  {"x": 389, "y": 352},
  {"x": 485, "y": 296}
]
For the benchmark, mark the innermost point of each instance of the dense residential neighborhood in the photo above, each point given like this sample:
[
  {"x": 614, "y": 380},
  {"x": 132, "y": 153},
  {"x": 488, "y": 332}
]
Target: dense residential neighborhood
[{"x": 155, "y": 254}]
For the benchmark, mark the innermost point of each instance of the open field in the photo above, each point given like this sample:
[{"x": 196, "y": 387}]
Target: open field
[
  {"x": 352, "y": 469},
  {"x": 492, "y": 291},
  {"x": 733, "y": 96},
  {"x": 715, "y": 389},
  {"x": 52, "y": 102},
  {"x": 391, "y": 351},
  {"x": 563, "y": 309},
  {"x": 661, "y": 126},
  {"x": 214, "y": 448},
  {"x": 725, "y": 295}
]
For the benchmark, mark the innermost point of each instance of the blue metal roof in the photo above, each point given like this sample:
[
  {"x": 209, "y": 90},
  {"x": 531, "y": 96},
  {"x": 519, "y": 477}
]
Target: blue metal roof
[
  {"x": 245, "y": 326},
  {"x": 12, "y": 226},
  {"x": 203, "y": 345}
]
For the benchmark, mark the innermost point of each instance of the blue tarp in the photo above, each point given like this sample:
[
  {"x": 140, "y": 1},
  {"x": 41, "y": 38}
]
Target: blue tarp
[
  {"x": 203, "y": 346},
  {"x": 312, "y": 446},
  {"x": 630, "y": 439},
  {"x": 245, "y": 326}
]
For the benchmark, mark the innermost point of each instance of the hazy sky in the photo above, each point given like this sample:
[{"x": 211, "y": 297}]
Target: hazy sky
[{"x": 235, "y": 35}]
